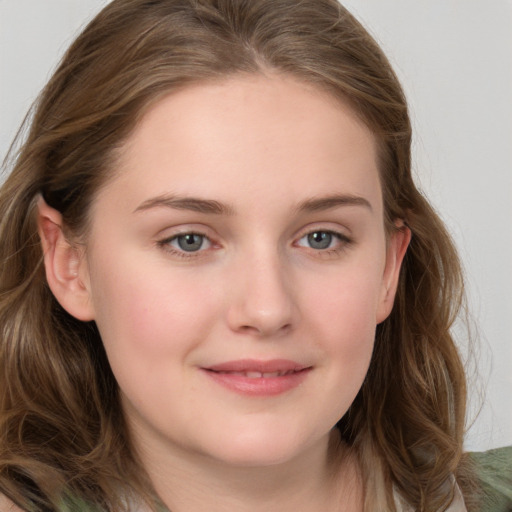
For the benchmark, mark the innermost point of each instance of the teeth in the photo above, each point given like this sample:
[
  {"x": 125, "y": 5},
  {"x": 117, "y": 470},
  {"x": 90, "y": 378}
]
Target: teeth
[
  {"x": 254, "y": 375},
  {"x": 260, "y": 375}
]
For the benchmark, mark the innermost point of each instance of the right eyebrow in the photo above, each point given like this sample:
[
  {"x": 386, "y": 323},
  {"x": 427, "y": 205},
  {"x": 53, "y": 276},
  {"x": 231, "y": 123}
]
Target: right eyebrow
[{"x": 195, "y": 204}]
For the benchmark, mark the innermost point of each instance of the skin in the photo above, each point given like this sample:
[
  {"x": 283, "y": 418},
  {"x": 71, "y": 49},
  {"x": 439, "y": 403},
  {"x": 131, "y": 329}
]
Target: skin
[
  {"x": 269, "y": 150},
  {"x": 7, "y": 505}
]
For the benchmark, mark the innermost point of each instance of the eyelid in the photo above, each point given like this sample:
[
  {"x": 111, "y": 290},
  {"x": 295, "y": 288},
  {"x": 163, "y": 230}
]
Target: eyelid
[
  {"x": 164, "y": 241},
  {"x": 171, "y": 234},
  {"x": 325, "y": 227},
  {"x": 176, "y": 238},
  {"x": 341, "y": 237},
  {"x": 344, "y": 240}
]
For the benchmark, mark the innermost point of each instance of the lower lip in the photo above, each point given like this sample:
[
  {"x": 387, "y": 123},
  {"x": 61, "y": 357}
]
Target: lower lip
[{"x": 259, "y": 387}]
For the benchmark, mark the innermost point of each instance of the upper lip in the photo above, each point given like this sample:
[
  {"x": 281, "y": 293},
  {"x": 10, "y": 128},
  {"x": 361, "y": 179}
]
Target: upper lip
[{"x": 254, "y": 365}]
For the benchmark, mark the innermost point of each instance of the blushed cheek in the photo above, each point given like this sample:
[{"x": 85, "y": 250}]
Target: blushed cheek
[
  {"x": 353, "y": 348},
  {"x": 349, "y": 302},
  {"x": 155, "y": 317},
  {"x": 345, "y": 314},
  {"x": 353, "y": 342}
]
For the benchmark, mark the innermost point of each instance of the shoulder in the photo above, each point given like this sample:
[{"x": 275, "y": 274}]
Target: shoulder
[
  {"x": 6, "y": 505},
  {"x": 494, "y": 473}
]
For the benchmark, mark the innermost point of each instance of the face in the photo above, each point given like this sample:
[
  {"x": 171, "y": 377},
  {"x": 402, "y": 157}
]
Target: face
[{"x": 237, "y": 267}]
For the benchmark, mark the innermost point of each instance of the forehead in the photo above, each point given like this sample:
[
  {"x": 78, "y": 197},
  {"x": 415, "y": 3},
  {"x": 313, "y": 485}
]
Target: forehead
[{"x": 261, "y": 133}]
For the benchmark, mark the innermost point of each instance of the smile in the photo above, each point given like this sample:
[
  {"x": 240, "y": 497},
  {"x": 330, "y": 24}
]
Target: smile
[
  {"x": 261, "y": 375},
  {"x": 258, "y": 378}
]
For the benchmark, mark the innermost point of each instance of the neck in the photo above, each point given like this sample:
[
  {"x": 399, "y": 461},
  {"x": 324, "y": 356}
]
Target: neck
[{"x": 326, "y": 478}]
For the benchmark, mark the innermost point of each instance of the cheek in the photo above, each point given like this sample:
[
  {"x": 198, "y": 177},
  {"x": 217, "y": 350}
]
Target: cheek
[
  {"x": 347, "y": 300},
  {"x": 144, "y": 316},
  {"x": 350, "y": 331},
  {"x": 342, "y": 317}
]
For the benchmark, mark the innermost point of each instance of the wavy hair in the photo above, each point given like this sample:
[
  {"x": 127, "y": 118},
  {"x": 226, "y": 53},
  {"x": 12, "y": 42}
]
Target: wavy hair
[{"x": 62, "y": 432}]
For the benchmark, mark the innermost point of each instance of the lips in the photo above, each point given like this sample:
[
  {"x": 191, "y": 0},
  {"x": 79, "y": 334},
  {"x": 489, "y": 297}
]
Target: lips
[
  {"x": 260, "y": 375},
  {"x": 258, "y": 378}
]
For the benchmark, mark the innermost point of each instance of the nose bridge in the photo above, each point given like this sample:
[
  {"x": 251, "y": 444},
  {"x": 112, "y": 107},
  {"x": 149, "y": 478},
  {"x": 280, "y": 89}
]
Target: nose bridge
[{"x": 263, "y": 301}]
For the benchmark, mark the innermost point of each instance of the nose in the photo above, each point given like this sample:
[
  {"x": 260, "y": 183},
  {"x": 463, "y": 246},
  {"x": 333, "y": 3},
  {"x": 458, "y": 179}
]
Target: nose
[{"x": 262, "y": 298}]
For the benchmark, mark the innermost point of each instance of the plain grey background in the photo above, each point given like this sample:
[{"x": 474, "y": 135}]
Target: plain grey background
[{"x": 454, "y": 58}]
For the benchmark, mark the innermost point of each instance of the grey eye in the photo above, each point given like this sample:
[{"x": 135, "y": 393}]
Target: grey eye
[
  {"x": 190, "y": 242},
  {"x": 320, "y": 239}
]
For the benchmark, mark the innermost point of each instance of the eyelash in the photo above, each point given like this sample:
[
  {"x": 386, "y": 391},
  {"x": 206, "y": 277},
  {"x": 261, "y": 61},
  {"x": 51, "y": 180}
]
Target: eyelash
[
  {"x": 342, "y": 243},
  {"x": 165, "y": 244}
]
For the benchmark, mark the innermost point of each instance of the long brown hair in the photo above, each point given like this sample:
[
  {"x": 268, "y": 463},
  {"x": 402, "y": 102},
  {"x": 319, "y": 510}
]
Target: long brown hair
[{"x": 62, "y": 432}]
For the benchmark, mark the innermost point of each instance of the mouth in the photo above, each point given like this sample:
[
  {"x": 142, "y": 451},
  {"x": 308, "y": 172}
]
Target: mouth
[
  {"x": 260, "y": 375},
  {"x": 259, "y": 378}
]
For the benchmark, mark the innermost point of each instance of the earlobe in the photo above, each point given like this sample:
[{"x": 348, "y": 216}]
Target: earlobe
[
  {"x": 397, "y": 247},
  {"x": 66, "y": 270}
]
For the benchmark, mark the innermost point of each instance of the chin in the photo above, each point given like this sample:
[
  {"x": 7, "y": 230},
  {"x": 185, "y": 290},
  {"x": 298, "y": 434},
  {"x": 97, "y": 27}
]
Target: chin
[
  {"x": 258, "y": 449},
  {"x": 257, "y": 458}
]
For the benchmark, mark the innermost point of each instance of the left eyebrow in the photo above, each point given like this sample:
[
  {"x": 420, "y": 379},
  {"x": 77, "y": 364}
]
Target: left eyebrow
[
  {"x": 333, "y": 201},
  {"x": 194, "y": 204}
]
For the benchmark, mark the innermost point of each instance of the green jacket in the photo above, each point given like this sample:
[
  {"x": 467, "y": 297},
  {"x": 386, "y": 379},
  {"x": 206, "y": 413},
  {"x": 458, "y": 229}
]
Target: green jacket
[{"x": 494, "y": 471}]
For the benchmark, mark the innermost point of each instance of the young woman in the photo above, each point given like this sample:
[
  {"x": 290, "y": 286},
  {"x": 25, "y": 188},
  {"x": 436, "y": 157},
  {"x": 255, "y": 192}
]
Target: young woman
[{"x": 220, "y": 288}]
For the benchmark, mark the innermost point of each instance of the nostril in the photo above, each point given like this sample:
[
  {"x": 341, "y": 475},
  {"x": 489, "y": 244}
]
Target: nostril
[{"x": 265, "y": 330}]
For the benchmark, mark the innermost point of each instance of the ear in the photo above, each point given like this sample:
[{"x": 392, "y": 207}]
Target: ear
[
  {"x": 396, "y": 248},
  {"x": 66, "y": 268}
]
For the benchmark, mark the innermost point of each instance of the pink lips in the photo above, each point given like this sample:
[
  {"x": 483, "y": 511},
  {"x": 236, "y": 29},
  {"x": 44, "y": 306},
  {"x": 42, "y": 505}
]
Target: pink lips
[{"x": 258, "y": 378}]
